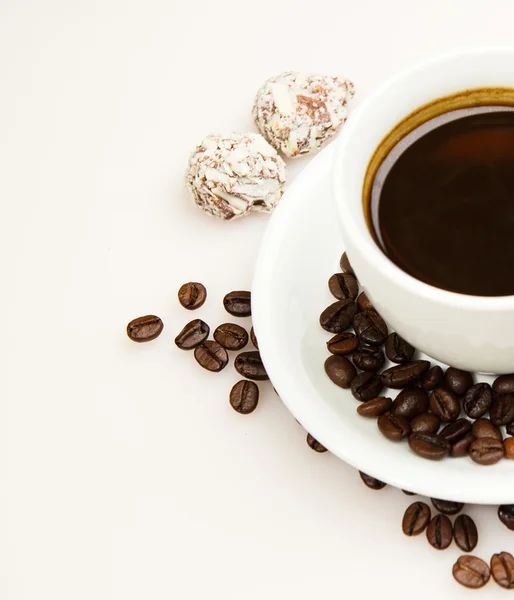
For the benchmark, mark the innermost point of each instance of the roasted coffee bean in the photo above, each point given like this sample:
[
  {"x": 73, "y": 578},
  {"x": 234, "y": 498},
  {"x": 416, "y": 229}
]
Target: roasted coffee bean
[
  {"x": 370, "y": 327},
  {"x": 447, "y": 507},
  {"x": 244, "y": 397},
  {"x": 483, "y": 428},
  {"x": 211, "y": 356},
  {"x": 192, "y": 295},
  {"x": 455, "y": 431},
  {"x": 502, "y": 410},
  {"x": 504, "y": 384},
  {"x": 425, "y": 423},
  {"x": 502, "y": 569},
  {"x": 510, "y": 429},
  {"x": 338, "y": 316},
  {"x": 508, "y": 447},
  {"x": 343, "y": 343},
  {"x": 471, "y": 572},
  {"x": 253, "y": 338},
  {"x": 394, "y": 428},
  {"x": 397, "y": 349},
  {"x": 457, "y": 381},
  {"x": 486, "y": 451},
  {"x": 402, "y": 376},
  {"x": 409, "y": 493},
  {"x": 432, "y": 378},
  {"x": 145, "y": 329},
  {"x": 363, "y": 302},
  {"x": 410, "y": 403},
  {"x": 340, "y": 370},
  {"x": 249, "y": 365},
  {"x": 416, "y": 518},
  {"x": 231, "y": 336},
  {"x": 371, "y": 482},
  {"x": 506, "y": 515},
  {"x": 345, "y": 265},
  {"x": 465, "y": 533},
  {"x": 368, "y": 358},
  {"x": 440, "y": 532},
  {"x": 444, "y": 404},
  {"x": 477, "y": 400},
  {"x": 314, "y": 444},
  {"x": 461, "y": 448},
  {"x": 375, "y": 408},
  {"x": 193, "y": 334},
  {"x": 343, "y": 285},
  {"x": 430, "y": 446},
  {"x": 238, "y": 304},
  {"x": 366, "y": 386}
]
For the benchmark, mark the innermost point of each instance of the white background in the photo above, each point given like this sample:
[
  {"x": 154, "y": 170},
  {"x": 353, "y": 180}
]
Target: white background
[{"x": 124, "y": 473}]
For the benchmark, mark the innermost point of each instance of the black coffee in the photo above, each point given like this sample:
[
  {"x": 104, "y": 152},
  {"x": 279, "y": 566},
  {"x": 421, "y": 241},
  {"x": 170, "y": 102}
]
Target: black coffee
[{"x": 444, "y": 211}]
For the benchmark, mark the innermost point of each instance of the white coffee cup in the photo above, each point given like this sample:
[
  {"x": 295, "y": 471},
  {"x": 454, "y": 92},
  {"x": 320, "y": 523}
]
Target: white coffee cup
[{"x": 470, "y": 332}]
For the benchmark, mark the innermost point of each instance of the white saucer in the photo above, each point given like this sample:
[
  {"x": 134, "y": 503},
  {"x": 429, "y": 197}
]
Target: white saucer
[{"x": 300, "y": 250}]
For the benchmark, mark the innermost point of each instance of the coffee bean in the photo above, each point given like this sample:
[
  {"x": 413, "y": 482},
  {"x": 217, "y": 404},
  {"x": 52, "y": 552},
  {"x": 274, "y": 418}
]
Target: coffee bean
[
  {"x": 244, "y": 397},
  {"x": 440, "y": 532},
  {"x": 447, "y": 507},
  {"x": 502, "y": 569},
  {"x": 425, "y": 423},
  {"x": 345, "y": 265},
  {"x": 338, "y": 316},
  {"x": 366, "y": 386},
  {"x": 478, "y": 400},
  {"x": 192, "y": 335},
  {"x": 471, "y": 572},
  {"x": 430, "y": 446},
  {"x": 455, "y": 431},
  {"x": 314, "y": 444},
  {"x": 394, "y": 428},
  {"x": 371, "y": 482},
  {"x": 253, "y": 338},
  {"x": 508, "y": 447},
  {"x": 249, "y": 365},
  {"x": 343, "y": 343},
  {"x": 343, "y": 285},
  {"x": 192, "y": 295},
  {"x": 375, "y": 408},
  {"x": 410, "y": 403},
  {"x": 444, "y": 404},
  {"x": 409, "y": 493},
  {"x": 238, "y": 304},
  {"x": 486, "y": 451},
  {"x": 483, "y": 428},
  {"x": 510, "y": 429},
  {"x": 402, "y": 376},
  {"x": 370, "y": 327},
  {"x": 432, "y": 378},
  {"x": 368, "y": 358},
  {"x": 397, "y": 349},
  {"x": 465, "y": 533},
  {"x": 363, "y": 302},
  {"x": 502, "y": 410},
  {"x": 457, "y": 381},
  {"x": 340, "y": 370},
  {"x": 504, "y": 384},
  {"x": 416, "y": 518},
  {"x": 461, "y": 448},
  {"x": 506, "y": 515},
  {"x": 231, "y": 336},
  {"x": 211, "y": 356},
  {"x": 145, "y": 329}
]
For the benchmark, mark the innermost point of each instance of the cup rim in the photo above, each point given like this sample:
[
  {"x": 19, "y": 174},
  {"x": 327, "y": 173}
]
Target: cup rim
[{"x": 365, "y": 242}]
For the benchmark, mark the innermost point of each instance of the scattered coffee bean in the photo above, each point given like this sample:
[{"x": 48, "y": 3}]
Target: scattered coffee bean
[
  {"x": 343, "y": 343},
  {"x": 193, "y": 334},
  {"x": 461, "y": 448},
  {"x": 432, "y": 378},
  {"x": 444, "y": 404},
  {"x": 343, "y": 285},
  {"x": 409, "y": 493},
  {"x": 447, "y": 507},
  {"x": 410, "y": 403},
  {"x": 508, "y": 446},
  {"x": 340, "y": 370},
  {"x": 416, "y": 518},
  {"x": 483, "y": 428},
  {"x": 345, "y": 265},
  {"x": 145, "y": 329},
  {"x": 404, "y": 375},
  {"x": 314, "y": 444},
  {"x": 425, "y": 423},
  {"x": 249, "y": 365},
  {"x": 370, "y": 327},
  {"x": 465, "y": 533},
  {"x": 253, "y": 338},
  {"x": 231, "y": 336},
  {"x": 366, "y": 386},
  {"x": 244, "y": 397},
  {"x": 375, "y": 408},
  {"x": 238, "y": 304},
  {"x": 430, "y": 446},
  {"x": 363, "y": 302},
  {"x": 502, "y": 410},
  {"x": 504, "y": 384},
  {"x": 440, "y": 532},
  {"x": 486, "y": 451},
  {"x": 477, "y": 400},
  {"x": 455, "y": 431},
  {"x": 471, "y": 572},
  {"x": 457, "y": 381},
  {"x": 211, "y": 356},
  {"x": 397, "y": 349},
  {"x": 192, "y": 295},
  {"x": 368, "y": 358},
  {"x": 371, "y": 482},
  {"x": 506, "y": 515},
  {"x": 502, "y": 569},
  {"x": 510, "y": 429},
  {"x": 338, "y": 316},
  {"x": 394, "y": 428}
]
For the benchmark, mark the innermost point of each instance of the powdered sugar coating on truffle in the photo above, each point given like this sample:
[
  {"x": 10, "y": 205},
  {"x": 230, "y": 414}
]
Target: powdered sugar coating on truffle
[
  {"x": 298, "y": 112},
  {"x": 229, "y": 176}
]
